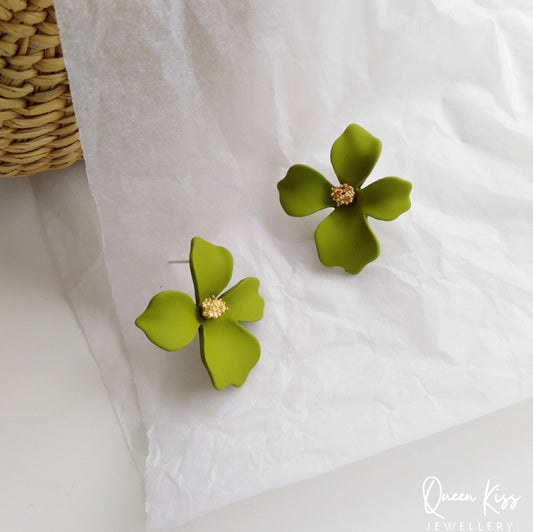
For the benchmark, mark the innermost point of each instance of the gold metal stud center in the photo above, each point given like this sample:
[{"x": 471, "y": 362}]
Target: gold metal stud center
[
  {"x": 213, "y": 308},
  {"x": 343, "y": 194}
]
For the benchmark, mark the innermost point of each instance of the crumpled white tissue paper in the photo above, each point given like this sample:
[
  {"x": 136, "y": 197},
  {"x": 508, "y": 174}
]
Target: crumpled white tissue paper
[{"x": 189, "y": 114}]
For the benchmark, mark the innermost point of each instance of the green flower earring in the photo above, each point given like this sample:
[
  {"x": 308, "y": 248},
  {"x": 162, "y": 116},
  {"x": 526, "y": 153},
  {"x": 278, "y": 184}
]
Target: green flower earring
[
  {"x": 344, "y": 238},
  {"x": 171, "y": 320}
]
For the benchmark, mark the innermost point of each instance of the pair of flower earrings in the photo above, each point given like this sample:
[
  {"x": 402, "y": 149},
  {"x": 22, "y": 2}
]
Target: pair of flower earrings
[{"x": 343, "y": 238}]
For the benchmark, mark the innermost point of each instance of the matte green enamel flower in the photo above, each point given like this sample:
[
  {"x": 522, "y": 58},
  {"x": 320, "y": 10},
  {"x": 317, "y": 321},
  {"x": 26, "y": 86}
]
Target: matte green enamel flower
[
  {"x": 344, "y": 238},
  {"x": 172, "y": 318}
]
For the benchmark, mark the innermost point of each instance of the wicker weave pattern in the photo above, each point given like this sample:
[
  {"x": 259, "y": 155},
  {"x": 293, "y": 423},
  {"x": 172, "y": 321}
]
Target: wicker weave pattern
[{"x": 38, "y": 126}]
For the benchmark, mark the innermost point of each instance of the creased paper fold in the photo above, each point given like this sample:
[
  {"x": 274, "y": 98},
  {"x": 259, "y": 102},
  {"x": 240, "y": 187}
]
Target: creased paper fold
[{"x": 191, "y": 111}]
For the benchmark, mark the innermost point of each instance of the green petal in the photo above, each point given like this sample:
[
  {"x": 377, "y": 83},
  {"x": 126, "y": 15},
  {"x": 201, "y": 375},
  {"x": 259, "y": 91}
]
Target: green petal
[
  {"x": 304, "y": 191},
  {"x": 244, "y": 302},
  {"x": 211, "y": 268},
  {"x": 386, "y": 198},
  {"x": 354, "y": 154},
  {"x": 229, "y": 351},
  {"x": 170, "y": 321},
  {"x": 344, "y": 239}
]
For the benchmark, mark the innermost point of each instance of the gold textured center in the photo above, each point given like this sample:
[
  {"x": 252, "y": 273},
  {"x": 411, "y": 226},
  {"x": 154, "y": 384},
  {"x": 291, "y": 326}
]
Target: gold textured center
[
  {"x": 213, "y": 308},
  {"x": 343, "y": 194}
]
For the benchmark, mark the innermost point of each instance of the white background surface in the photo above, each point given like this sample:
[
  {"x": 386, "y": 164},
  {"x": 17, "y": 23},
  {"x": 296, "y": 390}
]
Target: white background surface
[
  {"x": 187, "y": 124},
  {"x": 65, "y": 467}
]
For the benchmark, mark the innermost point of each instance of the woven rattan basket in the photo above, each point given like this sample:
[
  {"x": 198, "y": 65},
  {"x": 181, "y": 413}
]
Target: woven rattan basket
[{"x": 38, "y": 126}]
